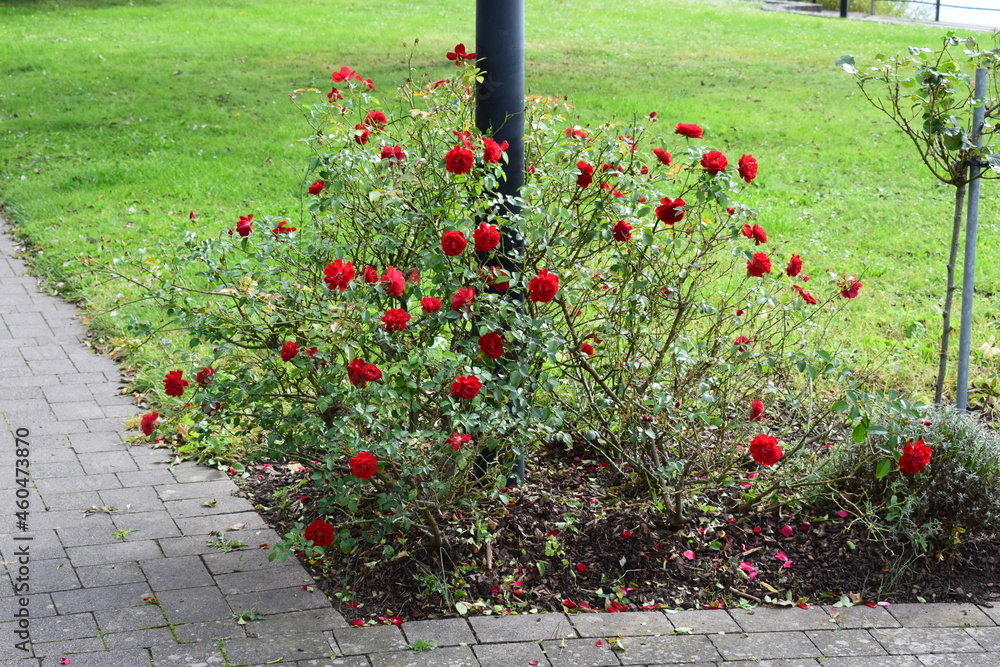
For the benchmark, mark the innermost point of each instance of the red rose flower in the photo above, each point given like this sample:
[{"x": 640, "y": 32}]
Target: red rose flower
[
  {"x": 320, "y": 533},
  {"x": 688, "y": 130},
  {"x": 370, "y": 275},
  {"x": 806, "y": 296},
  {"x": 713, "y": 162},
  {"x": 334, "y": 95},
  {"x": 494, "y": 276},
  {"x": 458, "y": 439},
  {"x": 849, "y": 287},
  {"x": 282, "y": 229},
  {"x": 371, "y": 373},
  {"x": 289, "y": 351},
  {"x": 459, "y": 160},
  {"x": 464, "y": 138},
  {"x": 462, "y": 297},
  {"x": 453, "y": 243},
  {"x": 740, "y": 342},
  {"x": 492, "y": 150},
  {"x": 394, "y": 154},
  {"x": 756, "y": 410},
  {"x": 339, "y": 274},
  {"x": 376, "y": 120},
  {"x": 487, "y": 237},
  {"x": 204, "y": 376},
  {"x": 670, "y": 210},
  {"x": 491, "y": 345},
  {"x": 916, "y": 456},
  {"x": 756, "y": 233},
  {"x": 361, "y": 134},
  {"x": 622, "y": 231},
  {"x": 430, "y": 304},
  {"x": 586, "y": 176},
  {"x": 543, "y": 287},
  {"x": 759, "y": 265},
  {"x": 244, "y": 226},
  {"x": 765, "y": 450},
  {"x": 466, "y": 387},
  {"x": 317, "y": 187},
  {"x": 345, "y": 74},
  {"x": 747, "y": 168},
  {"x": 395, "y": 319},
  {"x": 148, "y": 422},
  {"x": 576, "y": 132},
  {"x": 173, "y": 383},
  {"x": 794, "y": 267},
  {"x": 369, "y": 83},
  {"x": 663, "y": 156},
  {"x": 459, "y": 55},
  {"x": 587, "y": 349},
  {"x": 354, "y": 372},
  {"x": 393, "y": 281},
  {"x": 363, "y": 465},
  {"x": 414, "y": 276}
]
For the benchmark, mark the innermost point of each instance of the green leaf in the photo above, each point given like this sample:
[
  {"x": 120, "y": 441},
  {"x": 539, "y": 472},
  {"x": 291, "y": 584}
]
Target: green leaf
[
  {"x": 884, "y": 466},
  {"x": 847, "y": 64},
  {"x": 860, "y": 431}
]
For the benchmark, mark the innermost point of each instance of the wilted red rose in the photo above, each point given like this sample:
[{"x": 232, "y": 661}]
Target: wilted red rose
[
  {"x": 204, "y": 376},
  {"x": 282, "y": 228},
  {"x": 576, "y": 132},
  {"x": 713, "y": 162},
  {"x": 587, "y": 348},
  {"x": 459, "y": 55},
  {"x": 494, "y": 277},
  {"x": 174, "y": 383},
  {"x": 317, "y": 187},
  {"x": 740, "y": 342},
  {"x": 458, "y": 439},
  {"x": 376, "y": 120},
  {"x": 289, "y": 351},
  {"x": 622, "y": 231},
  {"x": 393, "y": 281},
  {"x": 394, "y": 154},
  {"x": 148, "y": 422},
  {"x": 765, "y": 450},
  {"x": 794, "y": 267},
  {"x": 370, "y": 275},
  {"x": 361, "y": 134},
  {"x": 756, "y": 232},
  {"x": 395, "y": 319},
  {"x": 414, "y": 276},
  {"x": 491, "y": 345},
  {"x": 543, "y": 287},
  {"x": 586, "y": 176},
  {"x": 688, "y": 130},
  {"x": 462, "y": 297},
  {"x": 670, "y": 210},
  {"x": 487, "y": 237},
  {"x": 466, "y": 387},
  {"x": 492, "y": 150},
  {"x": 320, "y": 533},
  {"x": 747, "y": 168},
  {"x": 663, "y": 156},
  {"x": 363, "y": 465},
  {"x": 756, "y": 410},
  {"x": 369, "y": 83},
  {"x": 339, "y": 274},
  {"x": 244, "y": 227},
  {"x": 916, "y": 456},
  {"x": 334, "y": 95},
  {"x": 459, "y": 160},
  {"x": 430, "y": 304},
  {"x": 345, "y": 74},
  {"x": 759, "y": 265},
  {"x": 849, "y": 287},
  {"x": 806, "y": 296},
  {"x": 453, "y": 243}
]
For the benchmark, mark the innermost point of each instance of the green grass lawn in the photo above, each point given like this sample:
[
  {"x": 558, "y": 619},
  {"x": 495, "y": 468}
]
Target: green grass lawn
[{"x": 118, "y": 118}]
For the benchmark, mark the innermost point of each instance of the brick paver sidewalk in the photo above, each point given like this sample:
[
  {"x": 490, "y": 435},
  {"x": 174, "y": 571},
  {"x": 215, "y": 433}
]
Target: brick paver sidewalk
[{"x": 90, "y": 583}]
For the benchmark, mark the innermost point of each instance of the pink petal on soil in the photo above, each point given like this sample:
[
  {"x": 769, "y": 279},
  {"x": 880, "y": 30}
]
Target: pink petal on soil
[
  {"x": 841, "y": 513},
  {"x": 786, "y": 530},
  {"x": 787, "y": 564},
  {"x": 782, "y": 556},
  {"x": 688, "y": 554}
]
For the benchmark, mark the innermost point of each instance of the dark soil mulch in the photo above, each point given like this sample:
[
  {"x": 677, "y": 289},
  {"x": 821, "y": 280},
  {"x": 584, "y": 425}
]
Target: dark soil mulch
[{"x": 565, "y": 539}]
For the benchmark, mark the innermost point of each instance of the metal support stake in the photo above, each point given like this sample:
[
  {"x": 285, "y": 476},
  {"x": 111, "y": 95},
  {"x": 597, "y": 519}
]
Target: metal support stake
[
  {"x": 843, "y": 9},
  {"x": 971, "y": 229},
  {"x": 937, "y": 10}
]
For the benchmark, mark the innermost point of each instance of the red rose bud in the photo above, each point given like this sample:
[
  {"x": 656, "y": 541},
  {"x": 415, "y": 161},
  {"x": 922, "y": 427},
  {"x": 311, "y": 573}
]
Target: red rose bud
[
  {"x": 317, "y": 187},
  {"x": 586, "y": 176}
]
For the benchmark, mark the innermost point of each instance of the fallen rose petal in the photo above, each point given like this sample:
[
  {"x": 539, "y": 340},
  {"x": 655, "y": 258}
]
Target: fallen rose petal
[
  {"x": 688, "y": 554},
  {"x": 870, "y": 604},
  {"x": 786, "y": 530},
  {"x": 626, "y": 534},
  {"x": 569, "y": 604},
  {"x": 580, "y": 567},
  {"x": 532, "y": 662},
  {"x": 787, "y": 564},
  {"x": 598, "y": 643},
  {"x": 842, "y": 514},
  {"x": 782, "y": 556},
  {"x": 804, "y": 526},
  {"x": 802, "y": 605},
  {"x": 356, "y": 624},
  {"x": 883, "y": 604}
]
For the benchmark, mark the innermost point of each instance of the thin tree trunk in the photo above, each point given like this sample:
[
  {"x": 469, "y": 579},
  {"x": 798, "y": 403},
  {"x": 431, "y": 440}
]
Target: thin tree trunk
[{"x": 956, "y": 231}]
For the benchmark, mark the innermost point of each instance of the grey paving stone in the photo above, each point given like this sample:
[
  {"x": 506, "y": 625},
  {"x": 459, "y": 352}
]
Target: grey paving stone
[
  {"x": 453, "y": 656},
  {"x": 509, "y": 655},
  {"x": 135, "y": 617},
  {"x": 343, "y": 661},
  {"x": 580, "y": 653},
  {"x": 151, "y": 525},
  {"x": 677, "y": 648},
  {"x": 765, "y": 646},
  {"x": 74, "y": 518},
  {"x": 374, "y": 639},
  {"x": 164, "y": 574},
  {"x": 911, "y": 641},
  {"x": 66, "y": 393},
  {"x": 104, "y": 424},
  {"x": 528, "y": 627},
  {"x": 278, "y": 601},
  {"x": 69, "y": 646},
  {"x": 196, "y": 490},
  {"x": 87, "y": 483},
  {"x": 105, "y": 462},
  {"x": 192, "y": 605},
  {"x": 222, "y": 504},
  {"x": 141, "y": 638},
  {"x": 889, "y": 661},
  {"x": 63, "y": 469},
  {"x": 992, "y": 610},
  {"x": 94, "y": 599},
  {"x": 88, "y": 409},
  {"x": 704, "y": 621},
  {"x": 144, "y": 478},
  {"x": 45, "y": 545},
  {"x": 61, "y": 628},
  {"x": 988, "y": 638},
  {"x": 768, "y": 619},
  {"x": 961, "y": 660},
  {"x": 110, "y": 574},
  {"x": 134, "y": 500},
  {"x": 87, "y": 442},
  {"x": 939, "y": 615},
  {"x": 443, "y": 632},
  {"x": 209, "y": 631},
  {"x": 118, "y": 552},
  {"x": 314, "y": 620},
  {"x": 203, "y": 525},
  {"x": 204, "y": 654},
  {"x": 126, "y": 658},
  {"x": 187, "y": 472},
  {"x": 241, "y": 560},
  {"x": 287, "y": 648},
  {"x": 39, "y": 605},
  {"x": 262, "y": 580},
  {"x": 52, "y": 575},
  {"x": 626, "y": 623},
  {"x": 845, "y": 642},
  {"x": 72, "y": 501},
  {"x": 794, "y": 662},
  {"x": 89, "y": 529}
]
